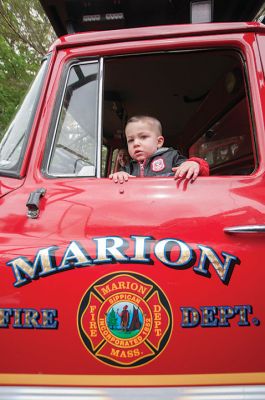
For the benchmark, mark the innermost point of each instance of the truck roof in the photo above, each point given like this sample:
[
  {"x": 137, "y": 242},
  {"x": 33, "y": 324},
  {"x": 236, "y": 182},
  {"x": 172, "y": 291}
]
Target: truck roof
[{"x": 167, "y": 31}]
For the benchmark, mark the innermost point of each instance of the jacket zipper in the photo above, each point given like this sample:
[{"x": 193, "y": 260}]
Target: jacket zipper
[{"x": 142, "y": 164}]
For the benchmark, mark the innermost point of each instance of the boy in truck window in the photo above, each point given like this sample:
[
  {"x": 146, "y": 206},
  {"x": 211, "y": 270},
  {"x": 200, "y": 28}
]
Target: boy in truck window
[{"x": 149, "y": 157}]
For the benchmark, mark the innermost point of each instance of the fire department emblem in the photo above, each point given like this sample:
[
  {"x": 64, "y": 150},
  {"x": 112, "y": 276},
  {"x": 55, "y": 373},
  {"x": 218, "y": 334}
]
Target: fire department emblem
[
  {"x": 158, "y": 165},
  {"x": 124, "y": 320}
]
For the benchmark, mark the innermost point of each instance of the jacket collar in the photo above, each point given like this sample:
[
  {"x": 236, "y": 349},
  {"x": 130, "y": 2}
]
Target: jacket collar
[{"x": 160, "y": 151}]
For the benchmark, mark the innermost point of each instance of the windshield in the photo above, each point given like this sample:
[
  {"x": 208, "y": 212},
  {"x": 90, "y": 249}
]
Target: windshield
[{"x": 13, "y": 143}]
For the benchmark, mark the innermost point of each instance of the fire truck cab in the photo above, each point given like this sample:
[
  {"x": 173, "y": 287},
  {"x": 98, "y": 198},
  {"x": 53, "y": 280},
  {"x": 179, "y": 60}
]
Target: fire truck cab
[{"x": 151, "y": 287}]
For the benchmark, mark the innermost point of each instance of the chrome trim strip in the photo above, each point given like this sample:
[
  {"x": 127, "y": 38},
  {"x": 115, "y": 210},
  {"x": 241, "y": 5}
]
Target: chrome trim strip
[
  {"x": 178, "y": 393},
  {"x": 47, "y": 166},
  {"x": 245, "y": 229},
  {"x": 100, "y": 105}
]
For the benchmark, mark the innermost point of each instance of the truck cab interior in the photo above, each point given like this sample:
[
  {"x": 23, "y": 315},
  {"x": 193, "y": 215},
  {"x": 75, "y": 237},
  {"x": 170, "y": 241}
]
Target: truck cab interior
[{"x": 199, "y": 97}]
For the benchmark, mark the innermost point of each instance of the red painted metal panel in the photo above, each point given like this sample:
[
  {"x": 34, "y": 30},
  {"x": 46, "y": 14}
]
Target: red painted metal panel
[{"x": 154, "y": 244}]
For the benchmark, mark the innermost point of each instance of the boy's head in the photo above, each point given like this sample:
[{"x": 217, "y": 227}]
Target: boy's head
[{"x": 144, "y": 136}]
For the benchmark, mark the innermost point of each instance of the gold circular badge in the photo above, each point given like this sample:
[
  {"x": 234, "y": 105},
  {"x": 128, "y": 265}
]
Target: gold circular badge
[{"x": 124, "y": 319}]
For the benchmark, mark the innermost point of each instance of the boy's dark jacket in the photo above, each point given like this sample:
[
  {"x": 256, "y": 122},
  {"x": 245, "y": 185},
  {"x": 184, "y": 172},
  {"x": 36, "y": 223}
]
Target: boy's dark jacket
[{"x": 161, "y": 164}]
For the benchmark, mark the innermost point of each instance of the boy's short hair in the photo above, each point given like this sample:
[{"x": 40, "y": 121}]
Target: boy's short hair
[{"x": 149, "y": 118}]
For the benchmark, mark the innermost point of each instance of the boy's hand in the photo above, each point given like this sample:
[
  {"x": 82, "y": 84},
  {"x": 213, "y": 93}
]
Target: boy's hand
[
  {"x": 121, "y": 176},
  {"x": 187, "y": 170}
]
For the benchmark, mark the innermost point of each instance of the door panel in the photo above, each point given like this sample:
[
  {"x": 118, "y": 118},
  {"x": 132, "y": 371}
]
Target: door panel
[{"x": 154, "y": 233}]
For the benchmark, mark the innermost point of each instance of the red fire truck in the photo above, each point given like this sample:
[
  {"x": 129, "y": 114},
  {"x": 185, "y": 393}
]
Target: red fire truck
[{"x": 151, "y": 288}]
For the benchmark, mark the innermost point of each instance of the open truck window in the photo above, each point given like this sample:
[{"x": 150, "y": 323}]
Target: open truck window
[{"x": 200, "y": 97}]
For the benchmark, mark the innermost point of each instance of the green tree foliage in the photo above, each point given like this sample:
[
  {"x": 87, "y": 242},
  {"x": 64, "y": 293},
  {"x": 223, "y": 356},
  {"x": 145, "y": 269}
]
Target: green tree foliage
[
  {"x": 112, "y": 319},
  {"x": 25, "y": 36}
]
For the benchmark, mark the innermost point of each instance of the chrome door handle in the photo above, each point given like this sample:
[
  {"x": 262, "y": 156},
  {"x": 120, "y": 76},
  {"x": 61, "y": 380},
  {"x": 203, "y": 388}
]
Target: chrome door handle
[{"x": 245, "y": 229}]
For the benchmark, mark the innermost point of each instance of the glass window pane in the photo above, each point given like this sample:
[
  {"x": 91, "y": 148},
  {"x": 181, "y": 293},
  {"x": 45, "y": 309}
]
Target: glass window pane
[{"x": 74, "y": 148}]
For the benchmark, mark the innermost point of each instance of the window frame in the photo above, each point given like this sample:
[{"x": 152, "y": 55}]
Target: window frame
[
  {"x": 55, "y": 119},
  {"x": 100, "y": 105}
]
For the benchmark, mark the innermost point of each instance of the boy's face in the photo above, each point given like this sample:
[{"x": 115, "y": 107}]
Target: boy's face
[{"x": 143, "y": 139}]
